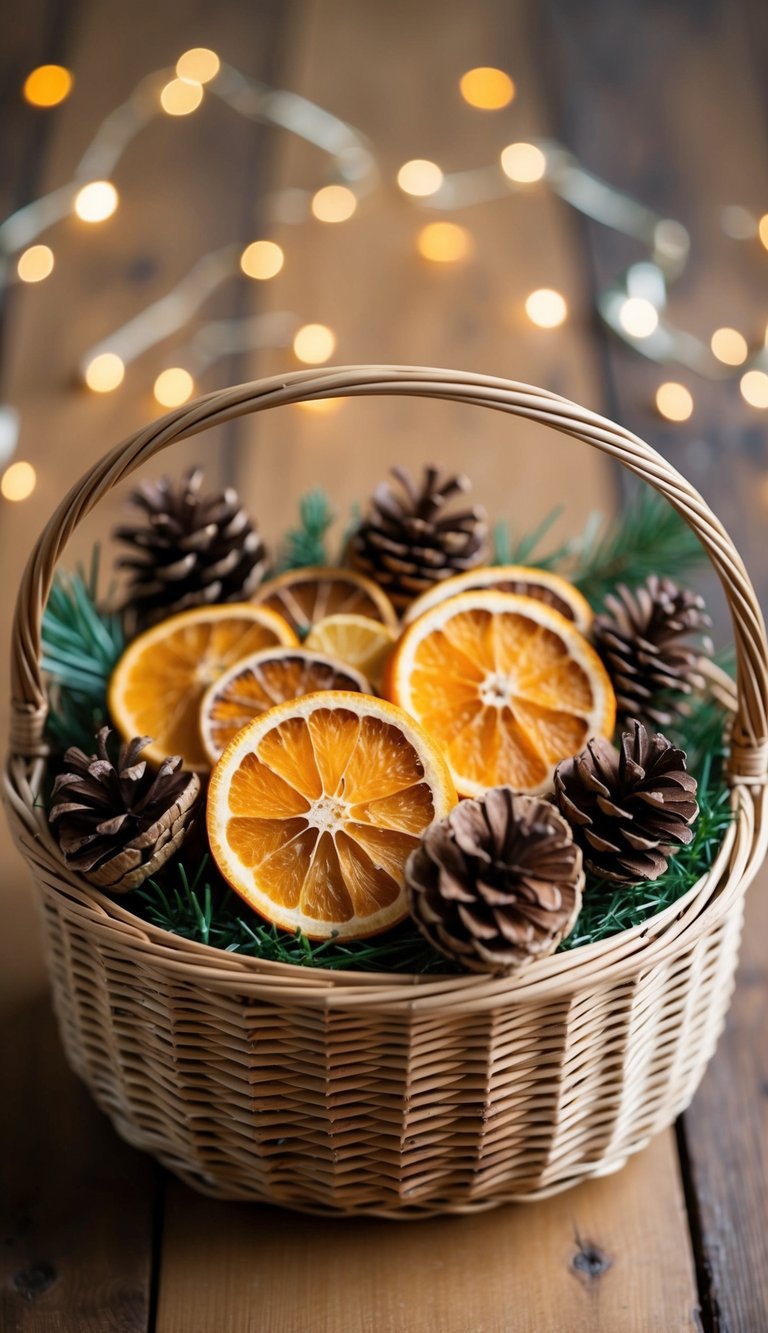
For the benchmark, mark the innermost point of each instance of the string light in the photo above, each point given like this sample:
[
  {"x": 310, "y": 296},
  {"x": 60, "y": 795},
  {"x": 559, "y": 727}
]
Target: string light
[
  {"x": 762, "y": 229},
  {"x": 674, "y": 401},
  {"x": 198, "y": 64},
  {"x": 18, "y": 481},
  {"x": 105, "y": 372},
  {"x": 96, "y": 202},
  {"x": 729, "y": 346},
  {"x": 35, "y": 264},
  {"x": 754, "y": 388},
  {"x": 523, "y": 163},
  {"x": 47, "y": 85},
  {"x": 420, "y": 177},
  {"x": 334, "y": 203},
  {"x": 546, "y": 307},
  {"x": 314, "y": 344},
  {"x": 487, "y": 88},
  {"x": 638, "y": 317},
  {"x": 262, "y": 259},
  {"x": 181, "y": 97},
  {"x": 173, "y": 386},
  {"x": 444, "y": 242}
]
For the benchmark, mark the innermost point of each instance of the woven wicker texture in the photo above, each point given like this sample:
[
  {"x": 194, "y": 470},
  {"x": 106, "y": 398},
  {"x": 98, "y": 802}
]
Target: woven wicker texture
[{"x": 390, "y": 1094}]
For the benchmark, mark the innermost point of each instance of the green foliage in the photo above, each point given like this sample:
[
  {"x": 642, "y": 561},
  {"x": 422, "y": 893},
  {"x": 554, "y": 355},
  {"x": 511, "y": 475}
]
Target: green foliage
[{"x": 306, "y": 544}]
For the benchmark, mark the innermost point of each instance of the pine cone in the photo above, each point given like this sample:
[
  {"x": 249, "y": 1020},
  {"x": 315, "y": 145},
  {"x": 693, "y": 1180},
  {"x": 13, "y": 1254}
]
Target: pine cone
[
  {"x": 631, "y": 809},
  {"x": 191, "y": 550},
  {"x": 117, "y": 824},
  {"x": 644, "y": 637},
  {"x": 497, "y": 883},
  {"x": 409, "y": 542}
]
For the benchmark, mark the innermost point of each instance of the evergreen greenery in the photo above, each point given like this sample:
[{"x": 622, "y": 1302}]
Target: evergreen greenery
[{"x": 306, "y": 544}]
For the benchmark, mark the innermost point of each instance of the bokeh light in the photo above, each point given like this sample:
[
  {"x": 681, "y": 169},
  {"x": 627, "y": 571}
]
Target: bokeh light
[
  {"x": 199, "y": 64},
  {"x": 444, "y": 242},
  {"x": 638, "y": 317},
  {"x": 334, "y": 203},
  {"x": 762, "y": 229},
  {"x": 420, "y": 177},
  {"x": 674, "y": 401},
  {"x": 546, "y": 307},
  {"x": 173, "y": 386},
  {"x": 181, "y": 97},
  {"x": 105, "y": 372},
  {"x": 96, "y": 202},
  {"x": 321, "y": 406},
  {"x": 754, "y": 388},
  {"x": 47, "y": 85},
  {"x": 523, "y": 162},
  {"x": 729, "y": 346},
  {"x": 487, "y": 88},
  {"x": 262, "y": 259},
  {"x": 35, "y": 263},
  {"x": 18, "y": 481},
  {"x": 314, "y": 343}
]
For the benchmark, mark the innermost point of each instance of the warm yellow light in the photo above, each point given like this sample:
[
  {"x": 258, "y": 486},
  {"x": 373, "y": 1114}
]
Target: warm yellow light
[
  {"x": 262, "y": 259},
  {"x": 487, "y": 88},
  {"x": 334, "y": 203},
  {"x": 173, "y": 386},
  {"x": 35, "y": 263},
  {"x": 754, "y": 388},
  {"x": 19, "y": 481},
  {"x": 96, "y": 201},
  {"x": 762, "y": 229},
  {"x": 104, "y": 372},
  {"x": 674, "y": 401},
  {"x": 321, "y": 405},
  {"x": 48, "y": 85},
  {"x": 314, "y": 343},
  {"x": 729, "y": 346},
  {"x": 546, "y": 308},
  {"x": 638, "y": 317},
  {"x": 420, "y": 177},
  {"x": 444, "y": 242},
  {"x": 181, "y": 96},
  {"x": 523, "y": 162},
  {"x": 199, "y": 64}
]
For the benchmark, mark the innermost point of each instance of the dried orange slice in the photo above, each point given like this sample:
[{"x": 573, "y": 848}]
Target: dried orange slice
[
  {"x": 357, "y": 640},
  {"x": 526, "y": 579},
  {"x": 257, "y": 683},
  {"x": 304, "y": 596},
  {"x": 159, "y": 681},
  {"x": 315, "y": 807},
  {"x": 505, "y": 685}
]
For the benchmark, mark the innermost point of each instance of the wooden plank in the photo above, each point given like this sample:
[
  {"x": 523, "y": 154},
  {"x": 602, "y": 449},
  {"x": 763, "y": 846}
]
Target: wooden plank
[
  {"x": 597, "y": 1259},
  {"x": 76, "y": 1204}
]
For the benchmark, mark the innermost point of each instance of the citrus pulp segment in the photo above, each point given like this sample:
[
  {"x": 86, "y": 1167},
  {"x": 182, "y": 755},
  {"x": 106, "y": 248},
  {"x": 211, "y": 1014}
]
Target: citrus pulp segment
[
  {"x": 304, "y": 596},
  {"x": 357, "y": 640},
  {"x": 541, "y": 584}
]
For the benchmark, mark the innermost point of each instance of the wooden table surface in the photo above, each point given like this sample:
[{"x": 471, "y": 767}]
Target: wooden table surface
[{"x": 666, "y": 99}]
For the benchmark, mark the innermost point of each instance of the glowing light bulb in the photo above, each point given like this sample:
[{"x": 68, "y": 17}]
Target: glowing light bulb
[
  {"x": 262, "y": 259},
  {"x": 173, "y": 386},
  {"x": 420, "y": 177},
  {"x": 729, "y": 346},
  {"x": 35, "y": 263},
  {"x": 18, "y": 481},
  {"x": 674, "y": 401},
  {"x": 546, "y": 307},
  {"x": 444, "y": 242},
  {"x": 334, "y": 203},
  {"x": 47, "y": 85},
  {"x": 181, "y": 97},
  {"x": 96, "y": 202},
  {"x": 762, "y": 229},
  {"x": 523, "y": 162},
  {"x": 105, "y": 372},
  {"x": 487, "y": 88},
  {"x": 198, "y": 64},
  {"x": 754, "y": 388},
  {"x": 638, "y": 317},
  {"x": 314, "y": 343}
]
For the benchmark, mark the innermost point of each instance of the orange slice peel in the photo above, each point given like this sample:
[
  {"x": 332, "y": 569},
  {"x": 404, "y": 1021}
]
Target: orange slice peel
[
  {"x": 525, "y": 580},
  {"x": 305, "y": 596}
]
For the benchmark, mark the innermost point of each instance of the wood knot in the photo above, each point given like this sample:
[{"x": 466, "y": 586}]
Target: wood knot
[
  {"x": 32, "y": 1281},
  {"x": 590, "y": 1261}
]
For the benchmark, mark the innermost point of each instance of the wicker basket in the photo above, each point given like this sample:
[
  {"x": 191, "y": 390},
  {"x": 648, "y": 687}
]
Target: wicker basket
[{"x": 390, "y": 1094}]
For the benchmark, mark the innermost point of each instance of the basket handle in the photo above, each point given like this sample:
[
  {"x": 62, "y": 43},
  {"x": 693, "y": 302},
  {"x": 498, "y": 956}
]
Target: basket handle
[{"x": 749, "y": 747}]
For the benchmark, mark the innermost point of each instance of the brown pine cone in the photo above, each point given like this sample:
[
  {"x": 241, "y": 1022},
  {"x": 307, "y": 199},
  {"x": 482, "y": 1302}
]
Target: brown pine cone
[
  {"x": 409, "y": 542},
  {"x": 644, "y": 637},
  {"x": 497, "y": 882},
  {"x": 118, "y": 823},
  {"x": 630, "y": 809},
  {"x": 191, "y": 549}
]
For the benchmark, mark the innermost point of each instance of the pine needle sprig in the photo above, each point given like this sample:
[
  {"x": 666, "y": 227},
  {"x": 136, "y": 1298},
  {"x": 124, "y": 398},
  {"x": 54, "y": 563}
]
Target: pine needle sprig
[
  {"x": 307, "y": 544},
  {"x": 509, "y": 550},
  {"x": 648, "y": 535}
]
